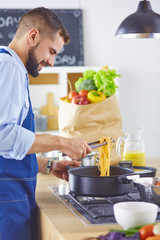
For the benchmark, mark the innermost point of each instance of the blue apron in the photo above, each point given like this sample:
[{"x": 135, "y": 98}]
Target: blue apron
[{"x": 17, "y": 191}]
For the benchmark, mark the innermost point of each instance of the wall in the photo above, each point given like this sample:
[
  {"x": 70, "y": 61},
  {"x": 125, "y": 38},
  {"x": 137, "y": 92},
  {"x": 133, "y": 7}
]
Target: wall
[{"x": 137, "y": 59}]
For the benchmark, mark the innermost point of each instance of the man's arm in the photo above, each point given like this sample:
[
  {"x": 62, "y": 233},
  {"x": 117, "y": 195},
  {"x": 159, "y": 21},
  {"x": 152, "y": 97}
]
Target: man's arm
[
  {"x": 42, "y": 163},
  {"x": 74, "y": 147},
  {"x": 58, "y": 167}
]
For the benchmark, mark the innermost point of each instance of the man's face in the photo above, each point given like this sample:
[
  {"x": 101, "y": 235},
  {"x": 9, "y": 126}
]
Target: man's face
[{"x": 43, "y": 54}]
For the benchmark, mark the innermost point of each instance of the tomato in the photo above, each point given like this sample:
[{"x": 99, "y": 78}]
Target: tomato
[
  {"x": 83, "y": 93},
  {"x": 153, "y": 238},
  {"x": 72, "y": 94},
  {"x": 146, "y": 231}
]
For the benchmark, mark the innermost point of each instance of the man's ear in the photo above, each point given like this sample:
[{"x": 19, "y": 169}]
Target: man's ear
[{"x": 33, "y": 37}]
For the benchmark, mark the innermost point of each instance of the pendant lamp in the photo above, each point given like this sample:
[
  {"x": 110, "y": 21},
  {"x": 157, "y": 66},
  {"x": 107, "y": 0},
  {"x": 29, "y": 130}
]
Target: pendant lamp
[{"x": 144, "y": 23}]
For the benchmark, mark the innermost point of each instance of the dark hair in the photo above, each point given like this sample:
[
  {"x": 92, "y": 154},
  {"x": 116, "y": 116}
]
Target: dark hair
[{"x": 45, "y": 20}]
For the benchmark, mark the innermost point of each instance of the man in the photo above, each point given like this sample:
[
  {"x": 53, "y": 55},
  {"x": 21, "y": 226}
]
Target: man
[{"x": 39, "y": 38}]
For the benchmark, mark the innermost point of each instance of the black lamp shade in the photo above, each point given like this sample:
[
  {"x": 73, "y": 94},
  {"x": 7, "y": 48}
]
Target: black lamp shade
[{"x": 144, "y": 23}]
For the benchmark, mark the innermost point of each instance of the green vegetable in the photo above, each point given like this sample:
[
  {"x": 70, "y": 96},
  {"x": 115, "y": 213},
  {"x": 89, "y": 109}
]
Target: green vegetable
[
  {"x": 87, "y": 84},
  {"x": 89, "y": 74},
  {"x": 129, "y": 231},
  {"x": 78, "y": 82},
  {"x": 102, "y": 81}
]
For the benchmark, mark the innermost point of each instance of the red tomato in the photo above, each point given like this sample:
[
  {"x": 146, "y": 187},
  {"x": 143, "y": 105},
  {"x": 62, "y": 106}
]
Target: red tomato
[
  {"x": 146, "y": 231},
  {"x": 72, "y": 94},
  {"x": 83, "y": 93},
  {"x": 153, "y": 238}
]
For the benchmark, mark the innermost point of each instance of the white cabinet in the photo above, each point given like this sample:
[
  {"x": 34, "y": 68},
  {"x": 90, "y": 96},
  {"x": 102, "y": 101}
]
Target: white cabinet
[
  {"x": 55, "y": 80},
  {"x": 63, "y": 75}
]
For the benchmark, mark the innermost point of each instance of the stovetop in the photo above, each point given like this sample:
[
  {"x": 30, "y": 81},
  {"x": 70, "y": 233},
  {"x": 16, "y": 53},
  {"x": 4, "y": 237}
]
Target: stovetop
[{"x": 93, "y": 210}]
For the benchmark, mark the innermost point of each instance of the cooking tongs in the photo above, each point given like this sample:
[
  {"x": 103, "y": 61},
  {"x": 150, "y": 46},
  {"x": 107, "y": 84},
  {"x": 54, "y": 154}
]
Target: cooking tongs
[
  {"x": 93, "y": 145},
  {"x": 96, "y": 144}
]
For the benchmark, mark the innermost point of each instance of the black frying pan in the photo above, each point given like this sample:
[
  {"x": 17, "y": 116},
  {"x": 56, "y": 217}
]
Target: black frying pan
[{"x": 86, "y": 181}]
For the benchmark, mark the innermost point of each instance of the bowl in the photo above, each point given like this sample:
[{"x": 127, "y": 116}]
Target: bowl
[
  {"x": 148, "y": 189},
  {"x": 131, "y": 214}
]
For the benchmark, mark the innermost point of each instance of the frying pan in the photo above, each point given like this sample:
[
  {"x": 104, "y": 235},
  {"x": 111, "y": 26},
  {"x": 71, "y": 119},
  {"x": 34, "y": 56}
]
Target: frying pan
[{"x": 86, "y": 181}]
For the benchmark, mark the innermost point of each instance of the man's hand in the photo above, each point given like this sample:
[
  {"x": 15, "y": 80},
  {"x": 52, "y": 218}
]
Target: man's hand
[
  {"x": 75, "y": 148},
  {"x": 60, "y": 170}
]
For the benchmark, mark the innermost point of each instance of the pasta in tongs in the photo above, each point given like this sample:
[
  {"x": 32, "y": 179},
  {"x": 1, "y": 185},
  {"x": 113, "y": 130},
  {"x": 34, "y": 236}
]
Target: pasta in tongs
[{"x": 104, "y": 156}]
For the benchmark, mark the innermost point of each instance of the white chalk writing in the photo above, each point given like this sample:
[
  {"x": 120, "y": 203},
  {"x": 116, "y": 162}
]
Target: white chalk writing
[
  {"x": 66, "y": 59},
  {"x": 8, "y": 21}
]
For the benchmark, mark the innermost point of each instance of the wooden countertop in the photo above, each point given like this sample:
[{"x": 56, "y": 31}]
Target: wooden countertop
[{"x": 57, "y": 222}]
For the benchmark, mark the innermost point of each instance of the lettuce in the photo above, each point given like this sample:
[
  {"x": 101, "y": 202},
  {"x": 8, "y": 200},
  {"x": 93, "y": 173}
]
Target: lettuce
[
  {"x": 89, "y": 74},
  {"x": 103, "y": 80}
]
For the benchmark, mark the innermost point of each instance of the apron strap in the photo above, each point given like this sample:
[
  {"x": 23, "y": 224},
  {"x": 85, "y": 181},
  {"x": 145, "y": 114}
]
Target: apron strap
[{"x": 2, "y": 50}]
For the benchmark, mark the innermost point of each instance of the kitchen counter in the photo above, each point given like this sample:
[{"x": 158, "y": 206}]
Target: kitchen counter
[{"x": 57, "y": 222}]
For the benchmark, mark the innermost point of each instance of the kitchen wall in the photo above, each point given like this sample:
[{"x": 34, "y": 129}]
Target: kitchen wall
[{"x": 137, "y": 60}]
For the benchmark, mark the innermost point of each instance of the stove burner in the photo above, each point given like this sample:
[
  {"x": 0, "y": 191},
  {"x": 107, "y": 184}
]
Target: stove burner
[
  {"x": 102, "y": 207},
  {"x": 93, "y": 210}
]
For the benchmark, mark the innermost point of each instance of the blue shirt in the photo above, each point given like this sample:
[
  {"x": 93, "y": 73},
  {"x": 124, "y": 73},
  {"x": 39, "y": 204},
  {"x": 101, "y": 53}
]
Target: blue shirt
[{"x": 15, "y": 141}]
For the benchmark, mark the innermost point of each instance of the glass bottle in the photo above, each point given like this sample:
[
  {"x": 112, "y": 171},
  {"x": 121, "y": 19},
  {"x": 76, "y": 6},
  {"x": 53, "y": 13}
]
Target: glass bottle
[{"x": 133, "y": 147}]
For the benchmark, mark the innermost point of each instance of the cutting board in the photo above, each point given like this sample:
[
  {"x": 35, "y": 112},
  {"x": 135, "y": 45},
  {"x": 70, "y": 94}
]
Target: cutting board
[{"x": 51, "y": 111}]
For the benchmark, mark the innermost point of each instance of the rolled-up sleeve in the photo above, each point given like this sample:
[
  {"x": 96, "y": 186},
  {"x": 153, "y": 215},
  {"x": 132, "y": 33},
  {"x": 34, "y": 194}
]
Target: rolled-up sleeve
[{"x": 15, "y": 140}]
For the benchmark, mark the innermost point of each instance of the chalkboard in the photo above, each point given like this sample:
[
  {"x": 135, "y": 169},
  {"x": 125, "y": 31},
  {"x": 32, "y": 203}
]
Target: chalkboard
[{"x": 71, "y": 54}]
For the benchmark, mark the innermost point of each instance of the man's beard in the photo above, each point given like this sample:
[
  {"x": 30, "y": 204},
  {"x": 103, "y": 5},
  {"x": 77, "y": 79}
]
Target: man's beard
[{"x": 32, "y": 64}]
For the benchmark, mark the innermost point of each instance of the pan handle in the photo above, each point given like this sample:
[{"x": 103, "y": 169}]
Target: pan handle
[{"x": 127, "y": 179}]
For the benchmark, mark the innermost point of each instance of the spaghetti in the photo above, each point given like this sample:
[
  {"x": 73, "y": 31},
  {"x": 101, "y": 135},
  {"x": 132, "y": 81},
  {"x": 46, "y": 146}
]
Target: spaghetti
[{"x": 104, "y": 156}]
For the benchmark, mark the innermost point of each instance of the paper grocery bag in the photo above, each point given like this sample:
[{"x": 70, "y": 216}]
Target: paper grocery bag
[{"x": 91, "y": 122}]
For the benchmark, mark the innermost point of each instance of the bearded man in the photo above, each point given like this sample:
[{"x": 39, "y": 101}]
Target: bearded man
[{"x": 39, "y": 38}]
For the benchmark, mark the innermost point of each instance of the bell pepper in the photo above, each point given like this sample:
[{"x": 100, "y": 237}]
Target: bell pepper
[
  {"x": 95, "y": 96},
  {"x": 66, "y": 100}
]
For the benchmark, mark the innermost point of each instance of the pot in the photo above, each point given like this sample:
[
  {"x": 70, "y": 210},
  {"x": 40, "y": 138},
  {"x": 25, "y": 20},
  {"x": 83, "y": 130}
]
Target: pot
[
  {"x": 90, "y": 159},
  {"x": 149, "y": 191},
  {"x": 51, "y": 154},
  {"x": 86, "y": 181},
  {"x": 54, "y": 155}
]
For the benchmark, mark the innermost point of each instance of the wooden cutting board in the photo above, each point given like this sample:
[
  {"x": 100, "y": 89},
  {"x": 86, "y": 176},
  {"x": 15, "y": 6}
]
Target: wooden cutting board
[{"x": 51, "y": 111}]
